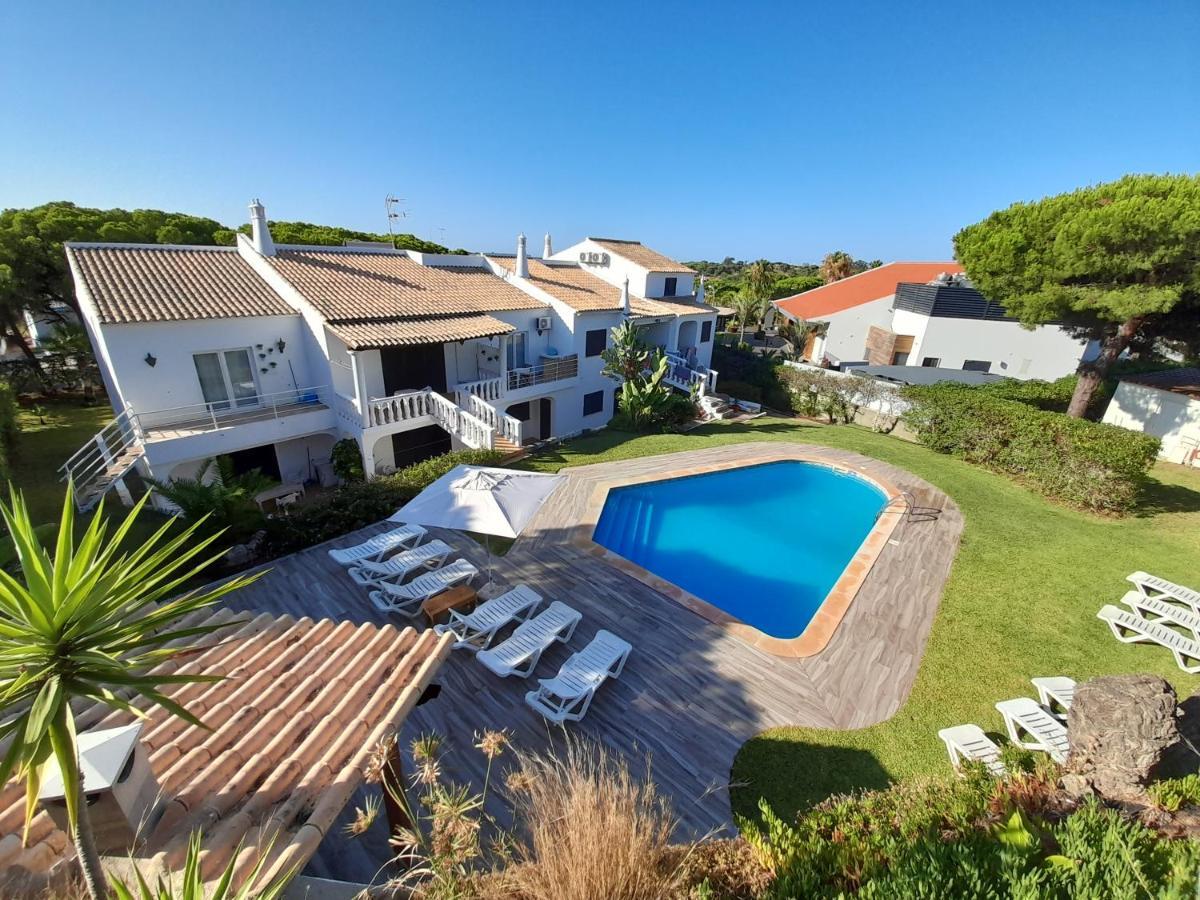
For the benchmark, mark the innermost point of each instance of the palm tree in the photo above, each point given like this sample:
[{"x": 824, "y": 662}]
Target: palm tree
[
  {"x": 90, "y": 623},
  {"x": 759, "y": 279},
  {"x": 836, "y": 266},
  {"x": 749, "y": 308}
]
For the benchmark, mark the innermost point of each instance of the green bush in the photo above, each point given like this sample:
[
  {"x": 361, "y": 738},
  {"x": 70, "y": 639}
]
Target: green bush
[
  {"x": 1172, "y": 793},
  {"x": 1049, "y": 395},
  {"x": 743, "y": 367},
  {"x": 358, "y": 504},
  {"x": 1087, "y": 464},
  {"x": 346, "y": 459},
  {"x": 8, "y": 427},
  {"x": 741, "y": 390},
  {"x": 970, "y": 837}
]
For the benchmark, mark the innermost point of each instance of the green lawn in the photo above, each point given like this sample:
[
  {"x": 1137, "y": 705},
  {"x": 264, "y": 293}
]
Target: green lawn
[
  {"x": 1021, "y": 601},
  {"x": 48, "y": 436}
]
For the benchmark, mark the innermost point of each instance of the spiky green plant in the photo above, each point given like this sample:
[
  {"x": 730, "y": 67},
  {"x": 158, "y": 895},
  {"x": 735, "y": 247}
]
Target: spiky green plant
[
  {"x": 189, "y": 883},
  {"x": 91, "y": 623}
]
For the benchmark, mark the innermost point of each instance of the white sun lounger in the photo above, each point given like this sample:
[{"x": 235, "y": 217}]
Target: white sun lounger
[
  {"x": 1130, "y": 628},
  {"x": 381, "y": 545},
  {"x": 567, "y": 696},
  {"x": 400, "y": 566},
  {"x": 406, "y": 599},
  {"x": 1055, "y": 690},
  {"x": 1159, "y": 588},
  {"x": 968, "y": 742},
  {"x": 520, "y": 652},
  {"x": 476, "y": 629},
  {"x": 1023, "y": 716},
  {"x": 1162, "y": 612}
]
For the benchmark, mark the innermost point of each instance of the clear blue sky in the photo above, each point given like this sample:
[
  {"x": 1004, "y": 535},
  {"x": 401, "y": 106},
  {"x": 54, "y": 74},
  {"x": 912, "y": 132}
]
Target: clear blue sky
[{"x": 703, "y": 130}]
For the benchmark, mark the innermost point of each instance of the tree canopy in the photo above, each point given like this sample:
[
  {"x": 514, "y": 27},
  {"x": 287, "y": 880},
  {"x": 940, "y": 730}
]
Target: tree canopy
[
  {"x": 332, "y": 236},
  {"x": 1114, "y": 262},
  {"x": 837, "y": 265}
]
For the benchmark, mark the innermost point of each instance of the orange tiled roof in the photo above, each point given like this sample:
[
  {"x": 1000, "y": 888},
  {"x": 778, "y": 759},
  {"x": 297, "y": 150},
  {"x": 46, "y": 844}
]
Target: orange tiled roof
[
  {"x": 301, "y": 707},
  {"x": 639, "y": 253},
  {"x": 149, "y": 283},
  {"x": 585, "y": 292},
  {"x": 403, "y": 332},
  {"x": 864, "y": 287}
]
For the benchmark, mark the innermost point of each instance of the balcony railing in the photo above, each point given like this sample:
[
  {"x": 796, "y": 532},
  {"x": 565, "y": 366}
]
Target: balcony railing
[
  {"x": 199, "y": 418},
  {"x": 557, "y": 369},
  {"x": 683, "y": 376}
]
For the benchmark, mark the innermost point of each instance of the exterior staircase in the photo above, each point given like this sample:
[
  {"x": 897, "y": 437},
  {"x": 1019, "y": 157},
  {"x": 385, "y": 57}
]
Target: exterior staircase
[{"x": 103, "y": 461}]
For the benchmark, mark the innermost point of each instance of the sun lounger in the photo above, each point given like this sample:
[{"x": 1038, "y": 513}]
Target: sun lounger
[
  {"x": 1130, "y": 628},
  {"x": 1031, "y": 727},
  {"x": 1162, "y": 612},
  {"x": 476, "y": 629},
  {"x": 400, "y": 566},
  {"x": 968, "y": 742},
  {"x": 406, "y": 599},
  {"x": 381, "y": 545},
  {"x": 567, "y": 696},
  {"x": 1056, "y": 690},
  {"x": 520, "y": 652},
  {"x": 1159, "y": 588}
]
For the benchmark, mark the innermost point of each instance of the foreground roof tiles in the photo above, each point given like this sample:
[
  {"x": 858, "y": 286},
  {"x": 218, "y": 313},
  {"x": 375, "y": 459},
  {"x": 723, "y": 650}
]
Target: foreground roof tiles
[
  {"x": 300, "y": 709},
  {"x": 865, "y": 287},
  {"x": 149, "y": 283},
  {"x": 639, "y": 253}
]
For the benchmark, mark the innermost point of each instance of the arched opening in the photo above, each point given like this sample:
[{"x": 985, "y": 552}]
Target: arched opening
[{"x": 689, "y": 336}]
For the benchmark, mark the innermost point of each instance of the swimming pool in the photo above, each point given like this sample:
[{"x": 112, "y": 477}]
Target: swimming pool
[{"x": 764, "y": 543}]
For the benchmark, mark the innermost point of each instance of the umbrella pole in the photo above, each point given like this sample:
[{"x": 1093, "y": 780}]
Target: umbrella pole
[{"x": 487, "y": 542}]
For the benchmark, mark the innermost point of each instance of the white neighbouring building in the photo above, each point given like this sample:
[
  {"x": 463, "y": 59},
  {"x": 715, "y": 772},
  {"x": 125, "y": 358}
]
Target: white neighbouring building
[
  {"x": 1165, "y": 405},
  {"x": 927, "y": 314},
  {"x": 271, "y": 353}
]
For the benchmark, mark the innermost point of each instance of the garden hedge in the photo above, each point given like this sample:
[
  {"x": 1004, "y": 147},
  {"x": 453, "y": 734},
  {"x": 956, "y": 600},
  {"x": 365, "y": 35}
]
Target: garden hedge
[
  {"x": 358, "y": 504},
  {"x": 8, "y": 427},
  {"x": 1087, "y": 464}
]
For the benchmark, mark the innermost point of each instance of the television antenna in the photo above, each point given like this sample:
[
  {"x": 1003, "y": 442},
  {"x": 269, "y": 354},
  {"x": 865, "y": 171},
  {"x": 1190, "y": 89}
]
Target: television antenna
[
  {"x": 442, "y": 235},
  {"x": 392, "y": 205}
]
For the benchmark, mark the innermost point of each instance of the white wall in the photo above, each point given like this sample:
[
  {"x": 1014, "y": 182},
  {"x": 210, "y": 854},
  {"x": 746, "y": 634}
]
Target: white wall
[
  {"x": 1047, "y": 352},
  {"x": 1163, "y": 414},
  {"x": 846, "y": 338},
  {"x": 172, "y": 381},
  {"x": 298, "y": 458}
]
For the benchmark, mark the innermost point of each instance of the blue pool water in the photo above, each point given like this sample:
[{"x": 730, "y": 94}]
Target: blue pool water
[{"x": 764, "y": 543}]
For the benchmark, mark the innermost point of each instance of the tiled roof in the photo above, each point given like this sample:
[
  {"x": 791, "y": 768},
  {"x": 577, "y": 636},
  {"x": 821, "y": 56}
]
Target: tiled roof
[
  {"x": 585, "y": 292},
  {"x": 873, "y": 284},
  {"x": 301, "y": 707},
  {"x": 148, "y": 283},
  {"x": 359, "y": 286},
  {"x": 637, "y": 252},
  {"x": 400, "y": 332}
]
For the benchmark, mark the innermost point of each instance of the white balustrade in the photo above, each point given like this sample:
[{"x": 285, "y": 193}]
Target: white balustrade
[{"x": 484, "y": 388}]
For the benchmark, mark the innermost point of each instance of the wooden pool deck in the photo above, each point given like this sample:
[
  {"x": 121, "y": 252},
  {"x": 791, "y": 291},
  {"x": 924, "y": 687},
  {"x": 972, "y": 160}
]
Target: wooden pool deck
[{"x": 693, "y": 691}]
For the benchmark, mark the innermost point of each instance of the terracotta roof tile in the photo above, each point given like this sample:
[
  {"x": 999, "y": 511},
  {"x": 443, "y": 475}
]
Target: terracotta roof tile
[
  {"x": 639, "y": 253},
  {"x": 433, "y": 330},
  {"x": 585, "y": 292},
  {"x": 291, "y": 726},
  {"x": 865, "y": 287},
  {"x": 149, "y": 283}
]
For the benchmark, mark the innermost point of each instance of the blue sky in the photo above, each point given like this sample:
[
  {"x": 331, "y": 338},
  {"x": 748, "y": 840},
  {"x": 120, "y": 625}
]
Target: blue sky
[{"x": 703, "y": 130}]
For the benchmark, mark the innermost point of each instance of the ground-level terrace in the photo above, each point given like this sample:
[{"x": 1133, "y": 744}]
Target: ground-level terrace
[{"x": 693, "y": 691}]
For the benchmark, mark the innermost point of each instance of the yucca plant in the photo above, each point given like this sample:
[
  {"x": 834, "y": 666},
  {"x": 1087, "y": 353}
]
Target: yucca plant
[
  {"x": 189, "y": 883},
  {"x": 90, "y": 623}
]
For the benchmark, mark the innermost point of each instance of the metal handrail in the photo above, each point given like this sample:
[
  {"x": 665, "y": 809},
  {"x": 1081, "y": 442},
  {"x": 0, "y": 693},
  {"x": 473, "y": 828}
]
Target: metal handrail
[
  {"x": 198, "y": 412},
  {"x": 559, "y": 369}
]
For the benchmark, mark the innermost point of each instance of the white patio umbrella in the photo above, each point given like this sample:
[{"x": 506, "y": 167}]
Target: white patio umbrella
[{"x": 482, "y": 499}]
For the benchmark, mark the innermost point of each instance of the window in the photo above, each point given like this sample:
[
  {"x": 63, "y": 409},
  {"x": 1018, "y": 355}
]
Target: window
[
  {"x": 931, "y": 362},
  {"x": 595, "y": 342},
  {"x": 706, "y": 331},
  {"x": 899, "y": 359},
  {"x": 977, "y": 365},
  {"x": 669, "y": 286},
  {"x": 226, "y": 378},
  {"x": 593, "y": 403},
  {"x": 515, "y": 354}
]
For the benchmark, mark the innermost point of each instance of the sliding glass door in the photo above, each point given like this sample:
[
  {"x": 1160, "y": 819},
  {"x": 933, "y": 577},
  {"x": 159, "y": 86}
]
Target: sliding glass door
[{"x": 226, "y": 379}]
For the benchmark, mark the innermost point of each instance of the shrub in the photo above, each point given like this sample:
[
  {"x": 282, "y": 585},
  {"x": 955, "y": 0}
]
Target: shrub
[
  {"x": 1172, "y": 793},
  {"x": 1049, "y": 395},
  {"x": 346, "y": 459},
  {"x": 358, "y": 504},
  {"x": 648, "y": 404},
  {"x": 218, "y": 500},
  {"x": 741, "y": 390},
  {"x": 8, "y": 427},
  {"x": 1087, "y": 464},
  {"x": 742, "y": 367}
]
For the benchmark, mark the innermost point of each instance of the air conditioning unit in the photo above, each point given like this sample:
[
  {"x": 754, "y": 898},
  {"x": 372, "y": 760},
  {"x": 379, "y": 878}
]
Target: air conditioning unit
[{"x": 543, "y": 323}]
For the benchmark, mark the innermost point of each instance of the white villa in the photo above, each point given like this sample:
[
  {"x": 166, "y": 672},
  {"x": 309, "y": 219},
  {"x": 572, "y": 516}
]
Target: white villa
[{"x": 271, "y": 353}]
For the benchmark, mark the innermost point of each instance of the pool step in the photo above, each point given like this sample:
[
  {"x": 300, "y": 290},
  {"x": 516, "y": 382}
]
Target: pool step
[{"x": 630, "y": 519}]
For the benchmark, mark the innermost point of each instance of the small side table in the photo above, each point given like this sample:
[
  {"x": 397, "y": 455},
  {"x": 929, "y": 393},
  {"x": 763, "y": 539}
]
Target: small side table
[{"x": 459, "y": 597}]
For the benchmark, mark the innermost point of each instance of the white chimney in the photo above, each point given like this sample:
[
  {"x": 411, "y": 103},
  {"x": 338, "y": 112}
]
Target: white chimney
[
  {"x": 260, "y": 234},
  {"x": 700, "y": 291},
  {"x": 625, "y": 297},
  {"x": 522, "y": 270},
  {"x": 547, "y": 247}
]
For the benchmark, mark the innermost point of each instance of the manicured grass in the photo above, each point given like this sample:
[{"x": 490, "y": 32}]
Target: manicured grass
[
  {"x": 1021, "y": 601},
  {"x": 48, "y": 436}
]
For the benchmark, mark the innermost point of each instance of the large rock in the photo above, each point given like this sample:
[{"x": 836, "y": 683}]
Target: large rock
[{"x": 1120, "y": 727}]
